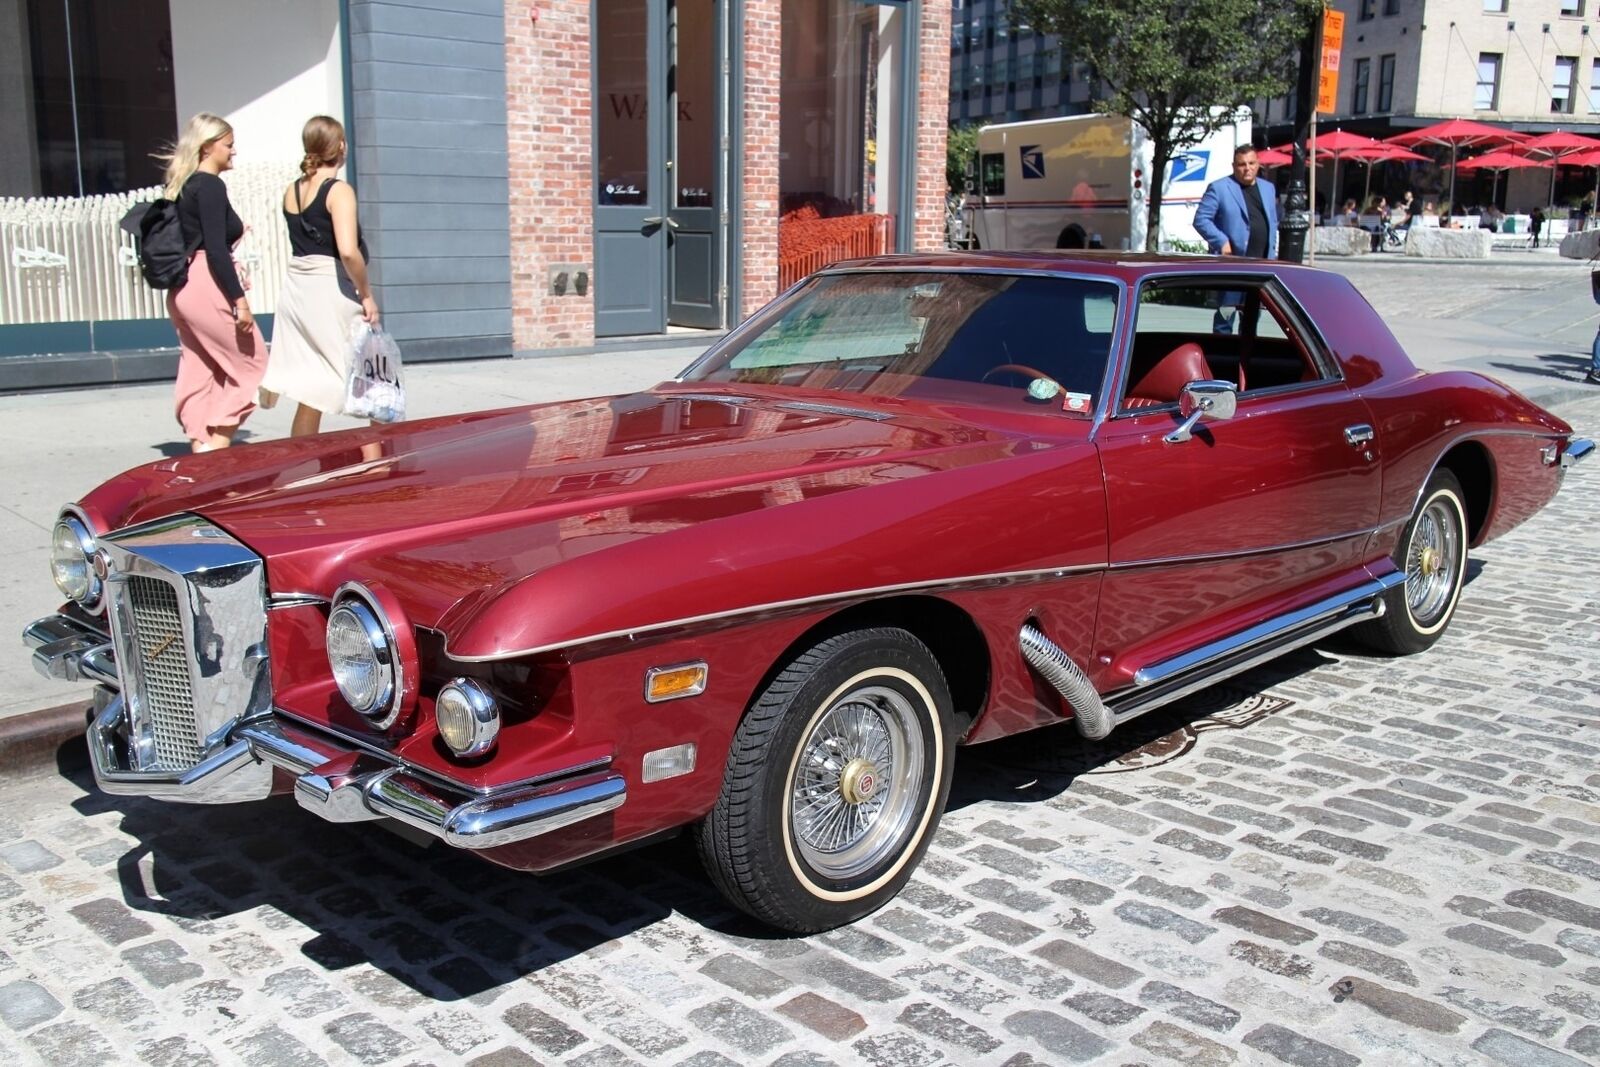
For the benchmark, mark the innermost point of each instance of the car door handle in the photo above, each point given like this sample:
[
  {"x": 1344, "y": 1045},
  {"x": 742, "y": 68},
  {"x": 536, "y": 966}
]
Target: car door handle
[
  {"x": 657, "y": 220},
  {"x": 1358, "y": 435}
]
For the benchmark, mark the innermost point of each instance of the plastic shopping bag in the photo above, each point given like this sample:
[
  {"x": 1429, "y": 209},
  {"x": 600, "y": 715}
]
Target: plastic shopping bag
[{"x": 372, "y": 386}]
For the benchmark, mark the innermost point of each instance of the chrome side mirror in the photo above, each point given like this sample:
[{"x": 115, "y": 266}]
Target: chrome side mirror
[{"x": 1207, "y": 398}]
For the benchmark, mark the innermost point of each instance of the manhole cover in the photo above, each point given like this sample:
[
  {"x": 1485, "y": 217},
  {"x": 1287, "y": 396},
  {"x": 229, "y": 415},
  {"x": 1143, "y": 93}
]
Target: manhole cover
[{"x": 1154, "y": 739}]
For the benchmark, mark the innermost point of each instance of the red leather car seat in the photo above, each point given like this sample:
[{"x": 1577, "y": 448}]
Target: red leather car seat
[{"x": 1164, "y": 382}]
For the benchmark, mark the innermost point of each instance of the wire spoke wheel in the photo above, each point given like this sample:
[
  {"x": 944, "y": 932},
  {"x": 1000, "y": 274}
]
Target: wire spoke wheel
[
  {"x": 855, "y": 783},
  {"x": 1432, "y": 562}
]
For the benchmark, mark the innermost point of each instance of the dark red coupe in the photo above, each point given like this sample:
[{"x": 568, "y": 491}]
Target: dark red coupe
[{"x": 916, "y": 502}]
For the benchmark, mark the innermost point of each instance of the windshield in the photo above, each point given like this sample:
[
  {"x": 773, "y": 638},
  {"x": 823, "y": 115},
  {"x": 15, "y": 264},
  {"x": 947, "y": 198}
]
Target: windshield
[{"x": 998, "y": 339}]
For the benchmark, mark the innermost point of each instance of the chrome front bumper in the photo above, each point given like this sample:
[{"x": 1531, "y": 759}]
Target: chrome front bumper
[{"x": 334, "y": 778}]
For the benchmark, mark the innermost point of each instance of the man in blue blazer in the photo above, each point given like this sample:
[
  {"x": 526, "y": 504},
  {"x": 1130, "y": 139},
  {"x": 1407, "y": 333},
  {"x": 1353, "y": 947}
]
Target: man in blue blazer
[{"x": 1238, "y": 216}]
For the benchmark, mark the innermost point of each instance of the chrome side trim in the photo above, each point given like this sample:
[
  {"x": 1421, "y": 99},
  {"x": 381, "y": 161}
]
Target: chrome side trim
[
  {"x": 1163, "y": 682},
  {"x": 952, "y": 584},
  {"x": 1167, "y": 561},
  {"x": 1333, "y": 605},
  {"x": 294, "y": 600}
]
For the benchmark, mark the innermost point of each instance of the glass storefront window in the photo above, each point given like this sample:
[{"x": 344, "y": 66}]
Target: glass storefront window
[
  {"x": 844, "y": 112},
  {"x": 622, "y": 94},
  {"x": 90, "y": 91}
]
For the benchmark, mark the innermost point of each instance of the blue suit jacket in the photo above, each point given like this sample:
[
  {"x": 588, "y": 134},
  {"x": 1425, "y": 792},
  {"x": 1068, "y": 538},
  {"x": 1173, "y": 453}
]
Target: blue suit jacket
[{"x": 1222, "y": 216}]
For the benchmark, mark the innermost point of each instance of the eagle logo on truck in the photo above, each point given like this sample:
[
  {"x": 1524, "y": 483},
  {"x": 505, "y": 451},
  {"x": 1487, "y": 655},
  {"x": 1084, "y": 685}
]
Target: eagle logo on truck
[
  {"x": 1032, "y": 161},
  {"x": 1190, "y": 166}
]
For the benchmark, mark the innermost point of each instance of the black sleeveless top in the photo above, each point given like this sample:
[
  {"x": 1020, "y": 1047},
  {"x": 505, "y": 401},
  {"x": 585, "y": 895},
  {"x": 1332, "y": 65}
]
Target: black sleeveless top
[{"x": 311, "y": 231}]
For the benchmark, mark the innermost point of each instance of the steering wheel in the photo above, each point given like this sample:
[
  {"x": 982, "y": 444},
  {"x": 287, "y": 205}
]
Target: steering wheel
[{"x": 1021, "y": 368}]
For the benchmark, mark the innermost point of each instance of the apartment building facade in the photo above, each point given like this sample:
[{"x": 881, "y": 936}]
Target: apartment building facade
[
  {"x": 1003, "y": 70},
  {"x": 1529, "y": 65}
]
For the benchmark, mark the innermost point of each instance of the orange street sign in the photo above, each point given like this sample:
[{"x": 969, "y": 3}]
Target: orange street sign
[{"x": 1328, "y": 76}]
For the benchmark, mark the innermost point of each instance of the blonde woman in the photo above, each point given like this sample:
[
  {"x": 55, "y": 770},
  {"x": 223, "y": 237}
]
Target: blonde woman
[
  {"x": 327, "y": 290},
  {"x": 222, "y": 353}
]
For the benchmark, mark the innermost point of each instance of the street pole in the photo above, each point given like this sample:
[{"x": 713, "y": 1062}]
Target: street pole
[{"x": 1296, "y": 222}]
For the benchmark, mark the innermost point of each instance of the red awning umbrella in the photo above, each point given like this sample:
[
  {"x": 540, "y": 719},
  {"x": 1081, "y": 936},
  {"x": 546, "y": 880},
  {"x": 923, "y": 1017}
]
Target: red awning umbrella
[
  {"x": 1501, "y": 160},
  {"x": 1271, "y": 157},
  {"x": 1458, "y": 134},
  {"x": 1335, "y": 146},
  {"x": 1557, "y": 146},
  {"x": 1382, "y": 152},
  {"x": 1589, "y": 158}
]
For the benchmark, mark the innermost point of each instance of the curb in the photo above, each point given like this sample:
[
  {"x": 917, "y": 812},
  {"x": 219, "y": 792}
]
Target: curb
[{"x": 31, "y": 739}]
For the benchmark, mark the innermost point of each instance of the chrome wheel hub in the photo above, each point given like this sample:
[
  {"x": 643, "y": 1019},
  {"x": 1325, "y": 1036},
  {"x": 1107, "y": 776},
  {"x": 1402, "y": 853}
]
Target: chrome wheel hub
[
  {"x": 1432, "y": 561},
  {"x": 854, "y": 792}
]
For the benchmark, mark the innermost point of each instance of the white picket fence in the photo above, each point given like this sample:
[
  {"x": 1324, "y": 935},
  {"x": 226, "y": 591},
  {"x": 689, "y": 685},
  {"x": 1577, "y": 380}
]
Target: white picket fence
[{"x": 66, "y": 259}]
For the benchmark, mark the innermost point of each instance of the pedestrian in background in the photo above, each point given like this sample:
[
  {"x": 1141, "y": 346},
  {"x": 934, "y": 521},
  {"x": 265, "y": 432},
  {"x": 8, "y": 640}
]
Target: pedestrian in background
[
  {"x": 1238, "y": 216},
  {"x": 1535, "y": 224},
  {"x": 1593, "y": 377},
  {"x": 221, "y": 351},
  {"x": 326, "y": 291}
]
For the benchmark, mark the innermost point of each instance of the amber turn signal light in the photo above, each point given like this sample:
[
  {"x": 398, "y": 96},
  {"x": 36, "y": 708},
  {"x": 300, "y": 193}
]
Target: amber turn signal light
[{"x": 674, "y": 683}]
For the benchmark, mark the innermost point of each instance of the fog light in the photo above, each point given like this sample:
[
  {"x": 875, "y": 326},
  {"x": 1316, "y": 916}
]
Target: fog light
[
  {"x": 667, "y": 763},
  {"x": 674, "y": 683},
  {"x": 467, "y": 717}
]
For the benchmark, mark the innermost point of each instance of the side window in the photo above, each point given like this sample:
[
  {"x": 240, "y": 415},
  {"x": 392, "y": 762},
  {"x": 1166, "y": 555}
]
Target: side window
[
  {"x": 993, "y": 167},
  {"x": 1224, "y": 330}
]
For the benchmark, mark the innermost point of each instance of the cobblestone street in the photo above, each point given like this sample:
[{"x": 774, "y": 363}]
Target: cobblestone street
[{"x": 1337, "y": 859}]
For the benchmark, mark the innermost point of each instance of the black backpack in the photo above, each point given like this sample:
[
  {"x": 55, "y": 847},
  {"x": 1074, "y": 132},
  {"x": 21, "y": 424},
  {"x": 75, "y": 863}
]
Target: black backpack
[{"x": 163, "y": 253}]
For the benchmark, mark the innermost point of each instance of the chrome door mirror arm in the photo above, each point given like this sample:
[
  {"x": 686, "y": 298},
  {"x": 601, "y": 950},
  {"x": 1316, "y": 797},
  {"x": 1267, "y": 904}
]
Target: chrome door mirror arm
[{"x": 1210, "y": 399}]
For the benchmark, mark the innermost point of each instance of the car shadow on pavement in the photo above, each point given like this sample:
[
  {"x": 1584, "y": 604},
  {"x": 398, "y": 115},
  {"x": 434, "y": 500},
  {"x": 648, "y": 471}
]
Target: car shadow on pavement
[{"x": 444, "y": 924}]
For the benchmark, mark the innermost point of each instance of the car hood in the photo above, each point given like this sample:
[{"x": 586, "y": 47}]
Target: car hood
[{"x": 451, "y": 512}]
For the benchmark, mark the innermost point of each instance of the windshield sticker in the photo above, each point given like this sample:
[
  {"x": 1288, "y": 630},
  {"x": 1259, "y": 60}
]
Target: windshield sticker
[{"x": 1078, "y": 403}]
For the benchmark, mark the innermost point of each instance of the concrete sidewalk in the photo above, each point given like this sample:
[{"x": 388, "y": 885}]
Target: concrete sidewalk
[{"x": 1530, "y": 326}]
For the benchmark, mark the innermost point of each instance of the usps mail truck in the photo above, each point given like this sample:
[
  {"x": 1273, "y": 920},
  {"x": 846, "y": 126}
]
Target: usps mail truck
[{"x": 1084, "y": 181}]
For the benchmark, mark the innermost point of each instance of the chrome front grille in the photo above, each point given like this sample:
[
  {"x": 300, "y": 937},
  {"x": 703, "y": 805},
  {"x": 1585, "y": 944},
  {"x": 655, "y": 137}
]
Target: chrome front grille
[
  {"x": 188, "y": 612},
  {"x": 163, "y": 672}
]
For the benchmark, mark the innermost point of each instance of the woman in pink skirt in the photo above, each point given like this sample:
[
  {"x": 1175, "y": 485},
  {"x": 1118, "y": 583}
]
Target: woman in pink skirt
[{"x": 223, "y": 354}]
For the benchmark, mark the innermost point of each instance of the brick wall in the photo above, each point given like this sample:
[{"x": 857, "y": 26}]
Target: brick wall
[
  {"x": 549, "y": 131},
  {"x": 758, "y": 210},
  {"x": 933, "y": 106}
]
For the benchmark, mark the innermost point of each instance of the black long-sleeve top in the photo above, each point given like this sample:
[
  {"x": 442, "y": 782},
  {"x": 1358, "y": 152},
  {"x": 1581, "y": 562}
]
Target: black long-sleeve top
[{"x": 210, "y": 223}]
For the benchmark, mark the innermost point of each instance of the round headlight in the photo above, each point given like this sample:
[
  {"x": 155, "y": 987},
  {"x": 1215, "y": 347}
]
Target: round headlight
[
  {"x": 468, "y": 719},
  {"x": 71, "y": 560},
  {"x": 362, "y": 657}
]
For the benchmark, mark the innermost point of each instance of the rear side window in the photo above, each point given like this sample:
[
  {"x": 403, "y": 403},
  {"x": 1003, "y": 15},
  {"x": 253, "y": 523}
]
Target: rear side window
[
  {"x": 993, "y": 170},
  {"x": 1242, "y": 334}
]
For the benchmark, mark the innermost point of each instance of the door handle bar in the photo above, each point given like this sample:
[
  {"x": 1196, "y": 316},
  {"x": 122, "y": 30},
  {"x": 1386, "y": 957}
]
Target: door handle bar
[
  {"x": 657, "y": 220},
  {"x": 1358, "y": 435}
]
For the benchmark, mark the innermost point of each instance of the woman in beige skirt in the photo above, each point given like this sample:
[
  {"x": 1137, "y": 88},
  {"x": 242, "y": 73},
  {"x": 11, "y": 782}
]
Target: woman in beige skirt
[{"x": 326, "y": 291}]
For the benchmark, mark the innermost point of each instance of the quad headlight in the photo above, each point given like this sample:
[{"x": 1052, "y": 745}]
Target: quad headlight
[
  {"x": 468, "y": 718},
  {"x": 363, "y": 654},
  {"x": 72, "y": 549}
]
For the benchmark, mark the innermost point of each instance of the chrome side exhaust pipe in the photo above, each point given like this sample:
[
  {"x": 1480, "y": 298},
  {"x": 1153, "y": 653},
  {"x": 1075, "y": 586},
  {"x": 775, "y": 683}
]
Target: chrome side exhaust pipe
[{"x": 1094, "y": 719}]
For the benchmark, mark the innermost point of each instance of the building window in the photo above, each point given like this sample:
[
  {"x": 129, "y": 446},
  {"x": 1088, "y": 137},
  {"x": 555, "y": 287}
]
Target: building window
[
  {"x": 1386, "y": 83},
  {"x": 839, "y": 147},
  {"x": 1488, "y": 96},
  {"x": 1391, "y": 7},
  {"x": 1572, "y": 8},
  {"x": 1358, "y": 87},
  {"x": 1594, "y": 86},
  {"x": 1561, "y": 96},
  {"x": 1369, "y": 10},
  {"x": 1497, "y": 7}
]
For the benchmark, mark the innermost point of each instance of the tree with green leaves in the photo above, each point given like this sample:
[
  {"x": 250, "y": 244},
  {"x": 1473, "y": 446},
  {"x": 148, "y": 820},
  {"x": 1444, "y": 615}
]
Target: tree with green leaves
[{"x": 1179, "y": 68}]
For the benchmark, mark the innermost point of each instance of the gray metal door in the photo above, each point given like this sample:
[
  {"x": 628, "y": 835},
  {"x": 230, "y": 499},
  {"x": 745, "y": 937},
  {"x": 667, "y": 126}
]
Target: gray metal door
[
  {"x": 630, "y": 220},
  {"x": 695, "y": 171}
]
